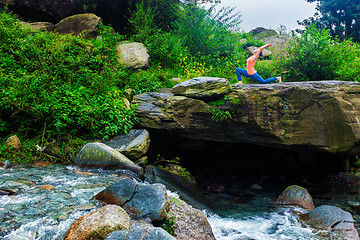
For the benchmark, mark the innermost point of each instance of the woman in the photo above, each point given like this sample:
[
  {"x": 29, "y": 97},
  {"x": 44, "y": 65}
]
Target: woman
[{"x": 250, "y": 71}]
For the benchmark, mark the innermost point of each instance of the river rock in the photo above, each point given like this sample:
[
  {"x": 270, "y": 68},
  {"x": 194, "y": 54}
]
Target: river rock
[
  {"x": 98, "y": 224},
  {"x": 118, "y": 193},
  {"x": 296, "y": 195},
  {"x": 133, "y": 145},
  {"x": 338, "y": 223},
  {"x": 100, "y": 155},
  {"x": 14, "y": 142},
  {"x": 6, "y": 164},
  {"x": 191, "y": 223},
  {"x": 86, "y": 24},
  {"x": 140, "y": 200},
  {"x": 133, "y": 55},
  {"x": 6, "y": 192},
  {"x": 202, "y": 87},
  {"x": 177, "y": 184},
  {"x": 40, "y": 26},
  {"x": 321, "y": 115},
  {"x": 151, "y": 233}
]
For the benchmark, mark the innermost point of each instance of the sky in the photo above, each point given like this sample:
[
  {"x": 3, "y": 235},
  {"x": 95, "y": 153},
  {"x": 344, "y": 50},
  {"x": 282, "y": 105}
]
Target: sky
[{"x": 271, "y": 14}]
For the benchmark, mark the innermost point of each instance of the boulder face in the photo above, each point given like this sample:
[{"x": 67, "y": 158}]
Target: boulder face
[
  {"x": 133, "y": 145},
  {"x": 86, "y": 24},
  {"x": 98, "y": 224},
  {"x": 140, "y": 200},
  {"x": 133, "y": 55},
  {"x": 151, "y": 233},
  {"x": 296, "y": 195},
  {"x": 100, "y": 155},
  {"x": 321, "y": 116},
  {"x": 337, "y": 223},
  {"x": 189, "y": 222},
  {"x": 202, "y": 87}
]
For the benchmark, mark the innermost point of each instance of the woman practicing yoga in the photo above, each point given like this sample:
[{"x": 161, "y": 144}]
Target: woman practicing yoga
[{"x": 250, "y": 71}]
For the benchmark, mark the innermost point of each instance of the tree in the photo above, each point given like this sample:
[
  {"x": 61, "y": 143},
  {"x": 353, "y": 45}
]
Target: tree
[{"x": 341, "y": 17}]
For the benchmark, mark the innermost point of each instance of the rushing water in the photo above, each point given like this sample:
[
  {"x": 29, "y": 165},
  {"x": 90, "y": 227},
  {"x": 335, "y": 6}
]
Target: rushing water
[{"x": 37, "y": 213}]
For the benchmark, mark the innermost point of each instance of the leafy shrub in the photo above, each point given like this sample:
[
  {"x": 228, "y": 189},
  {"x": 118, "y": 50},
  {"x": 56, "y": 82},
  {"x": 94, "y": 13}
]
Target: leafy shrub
[
  {"x": 148, "y": 81},
  {"x": 315, "y": 55},
  {"x": 349, "y": 64},
  {"x": 62, "y": 83},
  {"x": 311, "y": 57},
  {"x": 206, "y": 32}
]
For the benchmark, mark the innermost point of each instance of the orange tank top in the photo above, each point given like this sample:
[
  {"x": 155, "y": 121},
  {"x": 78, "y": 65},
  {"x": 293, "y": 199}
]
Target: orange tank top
[{"x": 250, "y": 66}]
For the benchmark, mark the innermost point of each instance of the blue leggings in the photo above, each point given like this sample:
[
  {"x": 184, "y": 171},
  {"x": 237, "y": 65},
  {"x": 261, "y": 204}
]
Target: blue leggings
[{"x": 256, "y": 76}]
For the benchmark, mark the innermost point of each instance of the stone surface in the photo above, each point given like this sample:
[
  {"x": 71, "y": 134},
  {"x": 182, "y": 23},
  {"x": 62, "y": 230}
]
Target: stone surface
[
  {"x": 296, "y": 195},
  {"x": 98, "y": 224},
  {"x": 322, "y": 115},
  {"x": 133, "y": 145},
  {"x": 100, "y": 155},
  {"x": 86, "y": 24},
  {"x": 133, "y": 55},
  {"x": 14, "y": 142},
  {"x": 337, "y": 223},
  {"x": 140, "y": 200},
  {"x": 6, "y": 164},
  {"x": 261, "y": 32},
  {"x": 202, "y": 87},
  {"x": 177, "y": 184},
  {"x": 141, "y": 233},
  {"x": 191, "y": 223},
  {"x": 118, "y": 193},
  {"x": 40, "y": 26},
  {"x": 149, "y": 200}
]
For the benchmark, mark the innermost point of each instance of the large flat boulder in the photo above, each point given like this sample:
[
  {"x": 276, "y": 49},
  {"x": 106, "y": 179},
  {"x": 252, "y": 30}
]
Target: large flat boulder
[
  {"x": 322, "y": 115},
  {"x": 202, "y": 87}
]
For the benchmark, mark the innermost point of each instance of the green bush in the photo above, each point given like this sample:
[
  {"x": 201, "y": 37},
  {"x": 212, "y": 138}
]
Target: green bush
[
  {"x": 62, "y": 83},
  {"x": 311, "y": 57},
  {"x": 349, "y": 66},
  {"x": 316, "y": 56}
]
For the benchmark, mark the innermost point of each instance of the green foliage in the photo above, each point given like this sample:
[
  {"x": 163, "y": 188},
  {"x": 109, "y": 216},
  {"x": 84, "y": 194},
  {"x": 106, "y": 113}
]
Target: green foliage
[
  {"x": 205, "y": 32},
  {"x": 64, "y": 82},
  {"x": 169, "y": 224},
  {"x": 349, "y": 64},
  {"x": 179, "y": 170},
  {"x": 27, "y": 154},
  {"x": 341, "y": 17},
  {"x": 148, "y": 81},
  {"x": 220, "y": 115},
  {"x": 315, "y": 56},
  {"x": 311, "y": 57}
]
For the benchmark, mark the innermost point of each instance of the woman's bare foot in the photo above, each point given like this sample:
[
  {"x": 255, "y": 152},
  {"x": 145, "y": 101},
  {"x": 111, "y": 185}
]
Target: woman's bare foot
[
  {"x": 238, "y": 83},
  {"x": 279, "y": 79}
]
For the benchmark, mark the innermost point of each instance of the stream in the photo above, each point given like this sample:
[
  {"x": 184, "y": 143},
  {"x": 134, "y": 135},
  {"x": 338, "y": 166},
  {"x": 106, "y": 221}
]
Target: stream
[{"x": 38, "y": 211}]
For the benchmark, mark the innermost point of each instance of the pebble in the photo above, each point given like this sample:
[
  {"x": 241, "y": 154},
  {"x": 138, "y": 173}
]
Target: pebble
[{"x": 46, "y": 187}]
